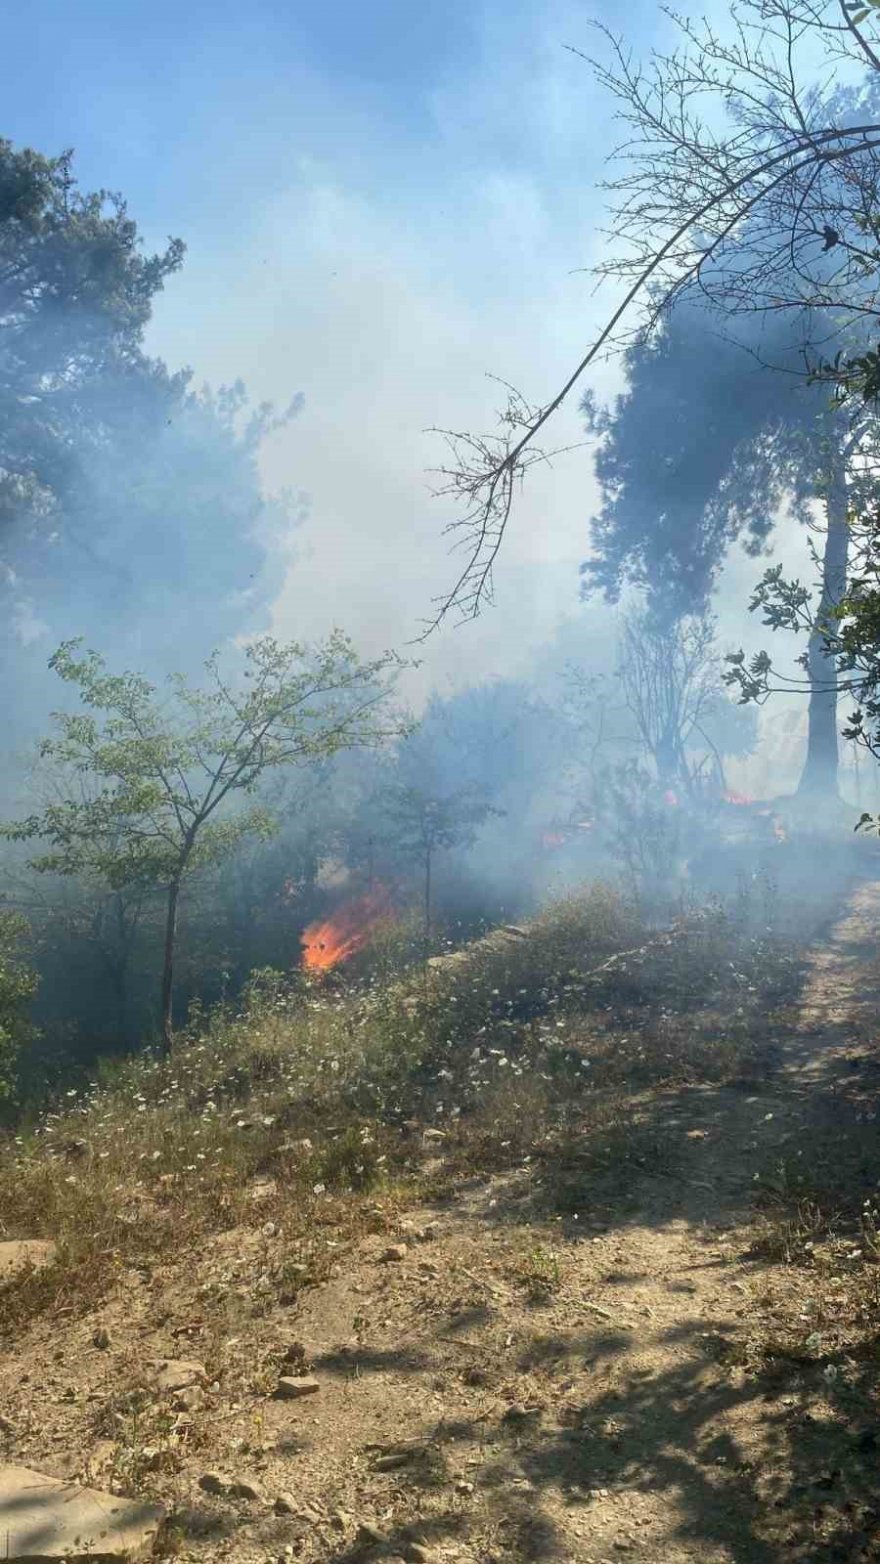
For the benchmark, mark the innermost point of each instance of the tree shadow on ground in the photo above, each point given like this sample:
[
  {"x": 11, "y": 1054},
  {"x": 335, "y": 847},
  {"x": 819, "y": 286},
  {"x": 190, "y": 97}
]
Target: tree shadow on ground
[{"x": 722, "y": 1445}]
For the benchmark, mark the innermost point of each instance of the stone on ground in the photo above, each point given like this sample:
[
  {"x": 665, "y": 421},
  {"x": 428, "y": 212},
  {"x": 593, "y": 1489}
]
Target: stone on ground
[
  {"x": 47, "y": 1519},
  {"x": 292, "y": 1388},
  {"x": 173, "y": 1374}
]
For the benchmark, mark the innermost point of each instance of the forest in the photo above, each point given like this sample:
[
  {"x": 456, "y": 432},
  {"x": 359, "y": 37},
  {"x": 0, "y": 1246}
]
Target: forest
[{"x": 469, "y": 1040}]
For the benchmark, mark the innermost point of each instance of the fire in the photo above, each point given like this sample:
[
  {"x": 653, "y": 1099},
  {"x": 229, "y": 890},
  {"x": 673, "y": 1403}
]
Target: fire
[
  {"x": 327, "y": 943},
  {"x": 737, "y": 798}
]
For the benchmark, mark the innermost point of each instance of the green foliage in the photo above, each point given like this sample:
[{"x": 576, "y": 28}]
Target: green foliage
[
  {"x": 160, "y": 788},
  {"x": 858, "y": 11},
  {"x": 857, "y": 375},
  {"x": 424, "y": 823},
  {"x": 77, "y": 295},
  {"x": 849, "y": 633},
  {"x": 161, "y": 773},
  {"x": 17, "y": 987},
  {"x": 701, "y": 448}
]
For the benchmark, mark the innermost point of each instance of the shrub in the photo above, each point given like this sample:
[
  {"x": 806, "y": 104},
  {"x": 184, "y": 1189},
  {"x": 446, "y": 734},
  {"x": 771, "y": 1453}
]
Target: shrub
[{"x": 17, "y": 986}]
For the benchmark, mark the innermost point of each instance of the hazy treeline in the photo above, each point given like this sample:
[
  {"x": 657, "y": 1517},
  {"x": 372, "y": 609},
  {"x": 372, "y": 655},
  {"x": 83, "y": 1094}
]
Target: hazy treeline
[{"x": 134, "y": 517}]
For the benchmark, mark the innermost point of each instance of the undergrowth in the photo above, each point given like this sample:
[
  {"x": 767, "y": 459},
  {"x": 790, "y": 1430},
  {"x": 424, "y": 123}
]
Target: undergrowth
[{"x": 522, "y": 1048}]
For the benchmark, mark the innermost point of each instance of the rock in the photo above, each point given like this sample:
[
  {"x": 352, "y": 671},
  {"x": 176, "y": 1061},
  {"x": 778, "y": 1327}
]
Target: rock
[
  {"x": 394, "y": 1252},
  {"x": 417, "y": 1554},
  {"x": 292, "y": 1388},
  {"x": 475, "y": 1375},
  {"x": 265, "y": 1189},
  {"x": 191, "y": 1399},
  {"x": 370, "y": 1536},
  {"x": 246, "y": 1488},
  {"x": 18, "y": 1255},
  {"x": 101, "y": 1339},
  {"x": 223, "y": 1487},
  {"x": 341, "y": 1520},
  {"x": 463, "y": 1487},
  {"x": 154, "y": 1457},
  {"x": 392, "y": 1461},
  {"x": 178, "y": 1374},
  {"x": 285, "y": 1504},
  {"x": 216, "y": 1483},
  {"x": 44, "y": 1519}
]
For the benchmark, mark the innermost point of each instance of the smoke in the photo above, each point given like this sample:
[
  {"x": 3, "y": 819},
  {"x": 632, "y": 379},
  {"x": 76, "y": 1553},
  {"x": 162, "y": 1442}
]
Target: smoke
[{"x": 364, "y": 254}]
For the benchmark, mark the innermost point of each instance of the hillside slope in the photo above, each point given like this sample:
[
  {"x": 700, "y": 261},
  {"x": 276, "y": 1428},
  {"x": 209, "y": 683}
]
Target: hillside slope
[{"x": 644, "y": 1326}]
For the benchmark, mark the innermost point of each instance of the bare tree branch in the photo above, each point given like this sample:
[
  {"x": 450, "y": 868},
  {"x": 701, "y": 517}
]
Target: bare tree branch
[{"x": 772, "y": 201}]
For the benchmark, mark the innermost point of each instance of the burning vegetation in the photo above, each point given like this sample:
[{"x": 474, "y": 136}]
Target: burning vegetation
[
  {"x": 280, "y": 958},
  {"x": 331, "y": 941}
]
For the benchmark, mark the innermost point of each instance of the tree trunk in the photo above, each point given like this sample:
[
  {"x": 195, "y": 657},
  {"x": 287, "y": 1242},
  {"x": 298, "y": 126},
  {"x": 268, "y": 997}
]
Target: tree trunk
[
  {"x": 427, "y": 903},
  {"x": 120, "y": 971},
  {"x": 819, "y": 776},
  {"x": 168, "y": 968},
  {"x": 120, "y": 994}
]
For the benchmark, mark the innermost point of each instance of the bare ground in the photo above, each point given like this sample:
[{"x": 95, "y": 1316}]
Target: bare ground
[{"x": 641, "y": 1373}]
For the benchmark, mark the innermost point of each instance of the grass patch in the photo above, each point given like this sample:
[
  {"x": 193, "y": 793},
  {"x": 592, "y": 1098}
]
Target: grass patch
[{"x": 280, "y": 1118}]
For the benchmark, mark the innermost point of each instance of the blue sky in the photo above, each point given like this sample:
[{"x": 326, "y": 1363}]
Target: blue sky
[
  {"x": 383, "y": 204},
  {"x": 171, "y": 101}
]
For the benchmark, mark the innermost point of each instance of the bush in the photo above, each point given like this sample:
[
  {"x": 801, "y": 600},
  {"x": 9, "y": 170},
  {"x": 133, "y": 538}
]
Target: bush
[{"x": 17, "y": 986}]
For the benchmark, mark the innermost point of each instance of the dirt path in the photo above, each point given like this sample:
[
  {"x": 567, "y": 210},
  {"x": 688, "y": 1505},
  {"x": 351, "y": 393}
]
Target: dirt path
[
  {"x": 620, "y": 1416},
  {"x": 525, "y": 1385}
]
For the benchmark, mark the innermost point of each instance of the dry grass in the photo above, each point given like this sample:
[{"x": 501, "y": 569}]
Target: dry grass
[
  {"x": 816, "y": 1225},
  {"x": 326, "y": 1094}
]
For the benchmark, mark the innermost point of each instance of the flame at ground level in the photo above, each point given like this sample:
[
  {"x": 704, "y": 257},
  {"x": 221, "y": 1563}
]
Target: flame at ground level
[{"x": 333, "y": 940}]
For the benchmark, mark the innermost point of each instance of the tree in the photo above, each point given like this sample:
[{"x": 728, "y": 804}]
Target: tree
[
  {"x": 169, "y": 516},
  {"x": 726, "y": 137},
  {"x": 702, "y": 448},
  {"x": 165, "y": 520},
  {"x": 17, "y": 987},
  {"x": 698, "y": 450},
  {"x": 85, "y": 936},
  {"x": 847, "y": 630},
  {"x": 671, "y": 681},
  {"x": 76, "y": 293},
  {"x": 424, "y": 824},
  {"x": 166, "y": 775}
]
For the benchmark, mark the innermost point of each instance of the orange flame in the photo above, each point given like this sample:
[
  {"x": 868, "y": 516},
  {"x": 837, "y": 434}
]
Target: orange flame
[
  {"x": 737, "y": 798},
  {"x": 331, "y": 941}
]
